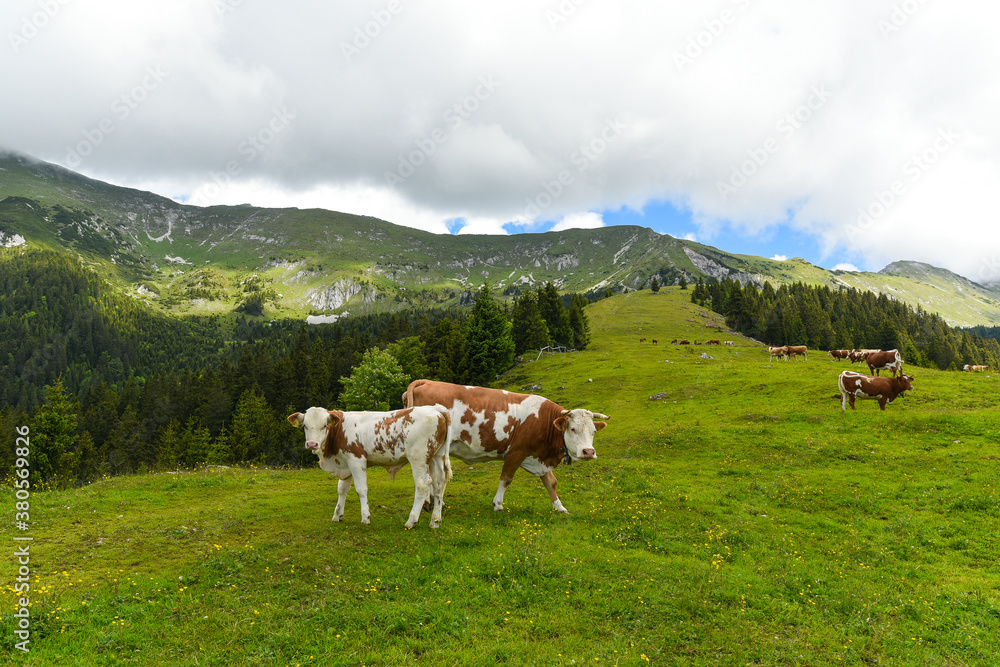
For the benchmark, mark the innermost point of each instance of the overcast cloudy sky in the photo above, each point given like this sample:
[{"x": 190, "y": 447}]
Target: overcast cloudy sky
[{"x": 848, "y": 132}]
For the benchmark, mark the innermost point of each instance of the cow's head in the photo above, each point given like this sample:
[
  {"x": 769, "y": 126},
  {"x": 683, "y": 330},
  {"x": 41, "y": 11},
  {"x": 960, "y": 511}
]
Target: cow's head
[
  {"x": 316, "y": 422},
  {"x": 578, "y": 427},
  {"x": 905, "y": 383}
]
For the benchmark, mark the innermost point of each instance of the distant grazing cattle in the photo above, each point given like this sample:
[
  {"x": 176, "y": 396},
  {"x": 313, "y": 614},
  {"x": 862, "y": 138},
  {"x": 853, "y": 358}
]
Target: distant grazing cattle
[
  {"x": 684, "y": 341},
  {"x": 839, "y": 354},
  {"x": 714, "y": 341},
  {"x": 348, "y": 442},
  {"x": 975, "y": 367},
  {"x": 884, "y": 361},
  {"x": 642, "y": 340},
  {"x": 793, "y": 350},
  {"x": 522, "y": 430},
  {"x": 861, "y": 355},
  {"x": 729, "y": 342},
  {"x": 884, "y": 390},
  {"x": 655, "y": 341},
  {"x": 777, "y": 352},
  {"x": 673, "y": 342},
  {"x": 697, "y": 343}
]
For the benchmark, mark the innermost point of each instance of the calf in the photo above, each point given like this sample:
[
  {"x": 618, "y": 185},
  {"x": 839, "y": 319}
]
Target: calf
[
  {"x": 522, "y": 430},
  {"x": 884, "y": 361},
  {"x": 777, "y": 352},
  {"x": 884, "y": 390},
  {"x": 792, "y": 350},
  {"x": 348, "y": 442}
]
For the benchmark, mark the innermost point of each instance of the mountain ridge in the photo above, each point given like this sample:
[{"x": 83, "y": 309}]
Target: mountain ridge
[{"x": 191, "y": 260}]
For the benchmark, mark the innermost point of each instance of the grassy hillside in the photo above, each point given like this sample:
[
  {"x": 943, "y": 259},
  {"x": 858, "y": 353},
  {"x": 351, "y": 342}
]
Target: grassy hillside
[
  {"x": 192, "y": 260},
  {"x": 735, "y": 515}
]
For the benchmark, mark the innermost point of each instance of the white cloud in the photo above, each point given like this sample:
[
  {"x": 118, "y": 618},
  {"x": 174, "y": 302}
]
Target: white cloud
[
  {"x": 846, "y": 267},
  {"x": 812, "y": 113},
  {"x": 691, "y": 236},
  {"x": 780, "y": 258},
  {"x": 588, "y": 220}
]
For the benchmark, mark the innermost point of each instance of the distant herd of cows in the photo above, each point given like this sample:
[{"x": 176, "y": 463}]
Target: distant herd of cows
[{"x": 478, "y": 424}]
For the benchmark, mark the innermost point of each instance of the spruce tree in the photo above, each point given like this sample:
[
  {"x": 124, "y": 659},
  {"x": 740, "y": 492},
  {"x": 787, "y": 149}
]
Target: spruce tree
[
  {"x": 529, "y": 329},
  {"x": 489, "y": 341},
  {"x": 579, "y": 322},
  {"x": 554, "y": 313}
]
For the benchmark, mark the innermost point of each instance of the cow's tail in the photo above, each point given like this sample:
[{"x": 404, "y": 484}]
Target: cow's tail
[
  {"x": 408, "y": 394},
  {"x": 446, "y": 458}
]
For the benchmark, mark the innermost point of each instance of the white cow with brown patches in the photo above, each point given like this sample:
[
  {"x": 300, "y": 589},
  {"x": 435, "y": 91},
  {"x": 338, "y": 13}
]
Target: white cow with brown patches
[
  {"x": 348, "y": 442},
  {"x": 522, "y": 430}
]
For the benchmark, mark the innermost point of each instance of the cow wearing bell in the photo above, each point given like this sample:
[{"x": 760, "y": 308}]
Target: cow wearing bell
[
  {"x": 347, "y": 443},
  {"x": 522, "y": 430},
  {"x": 884, "y": 390}
]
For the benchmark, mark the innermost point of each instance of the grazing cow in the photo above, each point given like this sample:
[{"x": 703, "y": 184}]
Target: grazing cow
[
  {"x": 884, "y": 361},
  {"x": 348, "y": 442},
  {"x": 684, "y": 341},
  {"x": 714, "y": 341},
  {"x": 861, "y": 355},
  {"x": 655, "y": 341},
  {"x": 792, "y": 350},
  {"x": 673, "y": 342},
  {"x": 884, "y": 390},
  {"x": 522, "y": 430},
  {"x": 975, "y": 367},
  {"x": 697, "y": 343},
  {"x": 778, "y": 352},
  {"x": 642, "y": 340},
  {"x": 729, "y": 342},
  {"x": 839, "y": 354}
]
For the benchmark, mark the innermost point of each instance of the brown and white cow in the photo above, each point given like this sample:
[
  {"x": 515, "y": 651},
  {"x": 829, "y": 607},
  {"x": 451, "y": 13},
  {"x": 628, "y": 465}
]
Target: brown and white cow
[
  {"x": 884, "y": 390},
  {"x": 777, "y": 352},
  {"x": 348, "y": 442},
  {"x": 884, "y": 361},
  {"x": 684, "y": 341},
  {"x": 793, "y": 350},
  {"x": 729, "y": 342},
  {"x": 861, "y": 355},
  {"x": 714, "y": 341},
  {"x": 975, "y": 367},
  {"x": 839, "y": 354},
  {"x": 522, "y": 430}
]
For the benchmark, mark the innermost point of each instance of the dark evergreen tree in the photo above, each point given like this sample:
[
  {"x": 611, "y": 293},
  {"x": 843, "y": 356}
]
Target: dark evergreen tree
[
  {"x": 529, "y": 329},
  {"x": 489, "y": 343},
  {"x": 579, "y": 322},
  {"x": 554, "y": 313}
]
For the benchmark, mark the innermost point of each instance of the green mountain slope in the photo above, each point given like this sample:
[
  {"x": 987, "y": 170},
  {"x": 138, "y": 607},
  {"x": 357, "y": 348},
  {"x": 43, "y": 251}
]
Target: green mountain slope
[{"x": 192, "y": 260}]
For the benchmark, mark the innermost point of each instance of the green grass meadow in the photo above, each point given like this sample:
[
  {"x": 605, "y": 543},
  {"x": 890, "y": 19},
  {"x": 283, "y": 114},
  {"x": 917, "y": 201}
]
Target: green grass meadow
[{"x": 735, "y": 515}]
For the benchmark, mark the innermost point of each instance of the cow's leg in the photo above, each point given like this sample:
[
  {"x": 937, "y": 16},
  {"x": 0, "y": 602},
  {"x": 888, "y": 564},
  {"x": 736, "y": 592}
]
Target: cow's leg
[
  {"x": 361, "y": 486},
  {"x": 343, "y": 486},
  {"x": 843, "y": 401},
  {"x": 852, "y": 402},
  {"x": 549, "y": 480},
  {"x": 439, "y": 480},
  {"x": 510, "y": 466},
  {"x": 881, "y": 403},
  {"x": 421, "y": 489}
]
